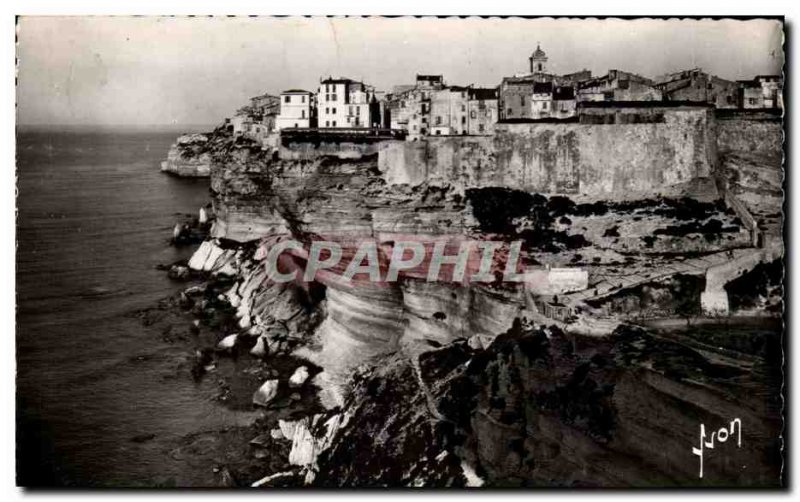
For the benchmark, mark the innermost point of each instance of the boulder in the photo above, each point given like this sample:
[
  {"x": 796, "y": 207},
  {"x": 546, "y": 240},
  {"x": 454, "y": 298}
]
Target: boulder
[
  {"x": 475, "y": 342},
  {"x": 200, "y": 256},
  {"x": 227, "y": 343},
  {"x": 178, "y": 272},
  {"x": 299, "y": 377},
  {"x": 195, "y": 290},
  {"x": 266, "y": 393},
  {"x": 260, "y": 348}
]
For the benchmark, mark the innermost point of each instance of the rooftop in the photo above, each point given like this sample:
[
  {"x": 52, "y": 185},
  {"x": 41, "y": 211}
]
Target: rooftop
[
  {"x": 340, "y": 80},
  {"x": 644, "y": 104}
]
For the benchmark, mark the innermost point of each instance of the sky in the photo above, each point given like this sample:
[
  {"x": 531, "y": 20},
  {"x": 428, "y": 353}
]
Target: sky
[{"x": 199, "y": 70}]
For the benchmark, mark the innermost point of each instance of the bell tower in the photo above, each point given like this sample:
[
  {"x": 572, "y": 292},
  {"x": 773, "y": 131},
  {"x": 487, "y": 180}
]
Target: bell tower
[{"x": 538, "y": 60}]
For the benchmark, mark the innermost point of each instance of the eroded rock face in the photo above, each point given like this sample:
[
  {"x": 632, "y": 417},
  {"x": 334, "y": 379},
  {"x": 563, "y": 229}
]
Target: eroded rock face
[
  {"x": 261, "y": 198},
  {"x": 192, "y": 154},
  {"x": 539, "y": 408},
  {"x": 514, "y": 405}
]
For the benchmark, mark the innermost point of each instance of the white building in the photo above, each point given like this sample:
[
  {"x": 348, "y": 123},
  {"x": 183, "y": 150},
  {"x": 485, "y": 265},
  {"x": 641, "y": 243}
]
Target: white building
[
  {"x": 541, "y": 100},
  {"x": 297, "y": 110},
  {"x": 346, "y": 103}
]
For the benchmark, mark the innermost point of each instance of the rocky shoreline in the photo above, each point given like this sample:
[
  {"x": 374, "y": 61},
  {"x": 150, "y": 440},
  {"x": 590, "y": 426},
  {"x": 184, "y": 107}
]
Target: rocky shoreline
[{"x": 434, "y": 421}]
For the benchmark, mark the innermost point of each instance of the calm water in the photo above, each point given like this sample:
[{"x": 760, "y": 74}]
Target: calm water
[{"x": 94, "y": 218}]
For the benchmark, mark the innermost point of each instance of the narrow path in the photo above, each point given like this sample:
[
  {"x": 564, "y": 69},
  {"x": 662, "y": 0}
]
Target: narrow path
[{"x": 691, "y": 266}]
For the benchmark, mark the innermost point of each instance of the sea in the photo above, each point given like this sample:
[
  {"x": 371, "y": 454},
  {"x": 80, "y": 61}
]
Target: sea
[{"x": 102, "y": 400}]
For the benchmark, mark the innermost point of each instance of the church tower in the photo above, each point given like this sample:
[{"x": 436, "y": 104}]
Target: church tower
[{"x": 538, "y": 60}]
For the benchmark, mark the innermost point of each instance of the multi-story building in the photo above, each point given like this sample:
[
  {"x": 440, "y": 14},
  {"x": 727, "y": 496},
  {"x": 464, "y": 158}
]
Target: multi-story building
[
  {"x": 697, "y": 86},
  {"x": 298, "y": 110},
  {"x": 564, "y": 104},
  {"x": 409, "y": 107},
  {"x": 530, "y": 96},
  {"x": 482, "y": 108},
  {"x": 346, "y": 103},
  {"x": 751, "y": 94},
  {"x": 265, "y": 104},
  {"x": 449, "y": 111},
  {"x": 514, "y": 102},
  {"x": 541, "y": 100},
  {"x": 618, "y": 85},
  {"x": 771, "y": 90}
]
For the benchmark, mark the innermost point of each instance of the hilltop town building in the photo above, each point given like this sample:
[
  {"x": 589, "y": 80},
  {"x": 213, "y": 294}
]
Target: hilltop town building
[
  {"x": 449, "y": 111},
  {"x": 697, "y": 86},
  {"x": 298, "y": 110},
  {"x": 482, "y": 107},
  {"x": 409, "y": 107},
  {"x": 265, "y": 105},
  {"x": 564, "y": 102},
  {"x": 618, "y": 85},
  {"x": 430, "y": 107},
  {"x": 541, "y": 100},
  {"x": 539, "y": 94},
  {"x": 750, "y": 94},
  {"x": 344, "y": 103},
  {"x": 771, "y": 90}
]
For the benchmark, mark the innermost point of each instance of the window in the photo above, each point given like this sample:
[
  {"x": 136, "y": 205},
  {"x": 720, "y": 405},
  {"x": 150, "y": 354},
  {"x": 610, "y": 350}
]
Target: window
[
  {"x": 302, "y": 99},
  {"x": 472, "y": 114},
  {"x": 544, "y": 105},
  {"x": 489, "y": 112},
  {"x": 287, "y": 99},
  {"x": 522, "y": 101},
  {"x": 334, "y": 123},
  {"x": 509, "y": 112},
  {"x": 438, "y": 120},
  {"x": 463, "y": 119},
  {"x": 302, "y": 114},
  {"x": 333, "y": 96},
  {"x": 463, "y": 108},
  {"x": 333, "y": 111},
  {"x": 327, "y": 110},
  {"x": 480, "y": 127},
  {"x": 351, "y": 110},
  {"x": 295, "y": 125}
]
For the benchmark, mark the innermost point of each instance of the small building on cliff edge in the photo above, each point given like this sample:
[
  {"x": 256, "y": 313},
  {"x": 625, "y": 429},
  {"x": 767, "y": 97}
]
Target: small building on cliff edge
[{"x": 298, "y": 110}]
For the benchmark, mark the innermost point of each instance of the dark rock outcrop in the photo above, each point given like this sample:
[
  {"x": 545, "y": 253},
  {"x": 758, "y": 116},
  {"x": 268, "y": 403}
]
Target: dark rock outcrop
[{"x": 541, "y": 408}]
